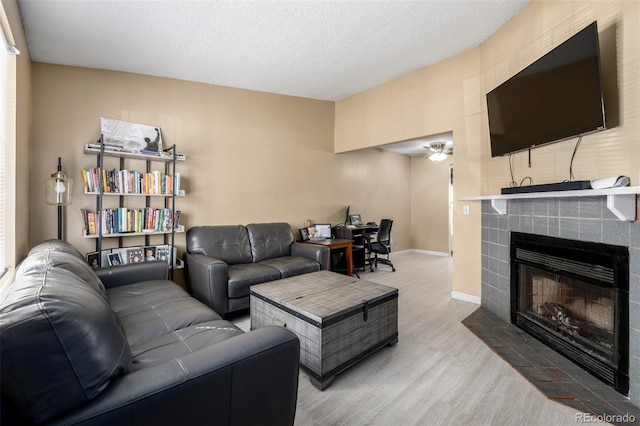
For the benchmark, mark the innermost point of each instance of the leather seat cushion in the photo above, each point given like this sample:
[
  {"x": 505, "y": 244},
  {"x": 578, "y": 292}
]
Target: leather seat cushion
[
  {"x": 269, "y": 240},
  {"x": 243, "y": 276},
  {"x": 145, "y": 292},
  {"x": 156, "y": 318},
  {"x": 290, "y": 266},
  {"x": 229, "y": 243},
  {"x": 61, "y": 342},
  {"x": 181, "y": 342}
]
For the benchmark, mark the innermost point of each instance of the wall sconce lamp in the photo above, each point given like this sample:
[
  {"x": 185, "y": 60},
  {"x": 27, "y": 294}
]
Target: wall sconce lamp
[{"x": 59, "y": 192}]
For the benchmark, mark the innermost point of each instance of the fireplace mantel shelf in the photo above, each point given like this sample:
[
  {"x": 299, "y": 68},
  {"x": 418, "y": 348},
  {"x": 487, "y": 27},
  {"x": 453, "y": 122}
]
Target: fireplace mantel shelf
[{"x": 620, "y": 201}]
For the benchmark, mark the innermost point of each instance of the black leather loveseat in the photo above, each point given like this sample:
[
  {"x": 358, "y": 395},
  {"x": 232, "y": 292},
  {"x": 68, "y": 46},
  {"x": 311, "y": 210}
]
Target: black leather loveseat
[
  {"x": 127, "y": 347},
  {"x": 223, "y": 262}
]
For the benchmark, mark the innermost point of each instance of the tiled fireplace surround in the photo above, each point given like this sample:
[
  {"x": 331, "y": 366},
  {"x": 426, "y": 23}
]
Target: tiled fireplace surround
[{"x": 583, "y": 218}]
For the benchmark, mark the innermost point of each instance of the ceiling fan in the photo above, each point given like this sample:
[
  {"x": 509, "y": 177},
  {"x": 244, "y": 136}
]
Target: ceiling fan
[{"x": 438, "y": 151}]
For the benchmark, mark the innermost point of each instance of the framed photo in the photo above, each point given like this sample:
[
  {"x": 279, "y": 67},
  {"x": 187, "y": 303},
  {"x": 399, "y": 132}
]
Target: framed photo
[
  {"x": 149, "y": 253},
  {"x": 114, "y": 259},
  {"x": 304, "y": 234},
  {"x": 355, "y": 219},
  {"x": 162, "y": 253},
  {"x": 93, "y": 259},
  {"x": 135, "y": 255}
]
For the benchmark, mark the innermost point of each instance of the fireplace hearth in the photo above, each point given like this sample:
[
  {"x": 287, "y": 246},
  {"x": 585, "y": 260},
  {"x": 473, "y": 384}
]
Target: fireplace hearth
[{"x": 574, "y": 297}]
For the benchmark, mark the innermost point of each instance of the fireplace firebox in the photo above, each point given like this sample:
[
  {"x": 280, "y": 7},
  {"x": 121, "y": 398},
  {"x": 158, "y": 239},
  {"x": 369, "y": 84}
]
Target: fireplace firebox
[{"x": 574, "y": 297}]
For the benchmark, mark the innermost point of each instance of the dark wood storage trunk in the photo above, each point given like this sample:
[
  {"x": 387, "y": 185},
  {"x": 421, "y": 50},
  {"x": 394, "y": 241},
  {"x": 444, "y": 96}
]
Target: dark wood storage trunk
[{"x": 339, "y": 319}]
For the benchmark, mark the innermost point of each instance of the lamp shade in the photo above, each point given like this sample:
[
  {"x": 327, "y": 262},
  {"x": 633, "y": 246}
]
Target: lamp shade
[{"x": 59, "y": 189}]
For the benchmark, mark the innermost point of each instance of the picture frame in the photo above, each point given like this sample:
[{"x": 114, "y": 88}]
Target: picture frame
[
  {"x": 355, "y": 219},
  {"x": 150, "y": 253},
  {"x": 162, "y": 253},
  {"x": 114, "y": 259},
  {"x": 93, "y": 259},
  {"x": 304, "y": 234},
  {"x": 135, "y": 255}
]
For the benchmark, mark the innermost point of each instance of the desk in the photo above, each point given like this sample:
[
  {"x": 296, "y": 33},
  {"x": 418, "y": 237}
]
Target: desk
[
  {"x": 335, "y": 244},
  {"x": 358, "y": 235}
]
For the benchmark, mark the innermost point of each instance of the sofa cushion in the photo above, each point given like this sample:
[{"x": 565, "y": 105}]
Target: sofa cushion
[
  {"x": 181, "y": 342},
  {"x": 56, "y": 245},
  {"x": 229, "y": 243},
  {"x": 61, "y": 343},
  {"x": 269, "y": 240},
  {"x": 157, "y": 316},
  {"x": 144, "y": 293},
  {"x": 290, "y": 266},
  {"x": 241, "y": 277},
  {"x": 63, "y": 260}
]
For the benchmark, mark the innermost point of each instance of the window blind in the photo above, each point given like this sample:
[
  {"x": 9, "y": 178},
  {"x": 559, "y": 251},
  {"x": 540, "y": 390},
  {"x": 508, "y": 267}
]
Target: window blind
[{"x": 7, "y": 154}]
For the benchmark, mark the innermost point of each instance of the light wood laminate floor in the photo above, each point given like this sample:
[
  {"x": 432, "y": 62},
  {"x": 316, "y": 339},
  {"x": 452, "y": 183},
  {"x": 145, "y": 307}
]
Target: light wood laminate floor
[{"x": 439, "y": 373}]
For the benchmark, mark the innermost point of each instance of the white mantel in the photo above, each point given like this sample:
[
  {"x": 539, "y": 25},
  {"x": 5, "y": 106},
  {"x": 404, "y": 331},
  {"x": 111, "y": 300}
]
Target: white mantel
[{"x": 620, "y": 201}]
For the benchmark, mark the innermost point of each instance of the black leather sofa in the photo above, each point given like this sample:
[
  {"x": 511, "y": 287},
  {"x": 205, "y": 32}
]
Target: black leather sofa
[
  {"x": 124, "y": 346},
  {"x": 223, "y": 262}
]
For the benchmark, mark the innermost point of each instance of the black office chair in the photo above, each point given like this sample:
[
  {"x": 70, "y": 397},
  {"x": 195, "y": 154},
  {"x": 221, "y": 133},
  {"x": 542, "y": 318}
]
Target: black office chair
[{"x": 382, "y": 246}]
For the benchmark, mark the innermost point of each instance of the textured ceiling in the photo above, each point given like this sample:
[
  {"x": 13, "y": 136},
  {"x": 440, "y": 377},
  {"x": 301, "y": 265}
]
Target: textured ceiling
[{"x": 314, "y": 49}]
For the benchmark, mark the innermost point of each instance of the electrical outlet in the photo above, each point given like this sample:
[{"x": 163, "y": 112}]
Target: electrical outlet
[{"x": 466, "y": 210}]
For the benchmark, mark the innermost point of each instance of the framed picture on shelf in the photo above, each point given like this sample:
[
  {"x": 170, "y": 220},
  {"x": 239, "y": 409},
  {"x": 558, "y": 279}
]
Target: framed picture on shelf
[
  {"x": 135, "y": 255},
  {"x": 93, "y": 258},
  {"x": 355, "y": 219},
  {"x": 150, "y": 253},
  {"x": 131, "y": 137},
  {"x": 114, "y": 259},
  {"x": 304, "y": 234},
  {"x": 162, "y": 253}
]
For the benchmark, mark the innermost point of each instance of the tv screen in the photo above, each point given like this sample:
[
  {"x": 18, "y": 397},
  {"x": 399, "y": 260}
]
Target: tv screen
[{"x": 557, "y": 97}]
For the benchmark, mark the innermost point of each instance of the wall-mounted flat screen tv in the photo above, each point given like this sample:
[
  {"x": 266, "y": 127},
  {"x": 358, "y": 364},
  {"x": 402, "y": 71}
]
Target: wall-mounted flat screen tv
[{"x": 557, "y": 97}]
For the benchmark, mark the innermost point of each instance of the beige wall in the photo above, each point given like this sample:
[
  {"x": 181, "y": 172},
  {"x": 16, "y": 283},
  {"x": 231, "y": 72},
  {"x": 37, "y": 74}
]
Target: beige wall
[
  {"x": 23, "y": 130},
  {"x": 437, "y": 99},
  {"x": 251, "y": 156},
  {"x": 451, "y": 95},
  {"x": 537, "y": 29},
  {"x": 429, "y": 205}
]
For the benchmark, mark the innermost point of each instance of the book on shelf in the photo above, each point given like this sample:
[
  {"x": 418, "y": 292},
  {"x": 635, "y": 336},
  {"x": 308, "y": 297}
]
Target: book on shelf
[
  {"x": 130, "y": 182},
  {"x": 122, "y": 220}
]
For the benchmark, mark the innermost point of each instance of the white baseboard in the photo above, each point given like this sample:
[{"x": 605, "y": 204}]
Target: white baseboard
[
  {"x": 430, "y": 253},
  {"x": 465, "y": 297},
  {"x": 427, "y": 252}
]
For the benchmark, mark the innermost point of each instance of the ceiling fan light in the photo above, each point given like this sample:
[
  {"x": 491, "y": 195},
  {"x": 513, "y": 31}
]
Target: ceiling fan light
[{"x": 437, "y": 156}]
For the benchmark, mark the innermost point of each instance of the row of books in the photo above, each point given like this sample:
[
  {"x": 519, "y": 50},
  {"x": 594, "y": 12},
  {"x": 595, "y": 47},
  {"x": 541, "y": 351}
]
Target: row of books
[
  {"x": 137, "y": 254},
  {"x": 123, "y": 220},
  {"x": 130, "y": 182}
]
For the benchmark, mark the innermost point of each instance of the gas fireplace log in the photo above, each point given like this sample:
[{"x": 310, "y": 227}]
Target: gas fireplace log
[{"x": 556, "y": 313}]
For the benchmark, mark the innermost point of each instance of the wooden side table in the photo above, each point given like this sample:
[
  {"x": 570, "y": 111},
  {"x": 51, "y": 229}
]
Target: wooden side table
[{"x": 336, "y": 244}]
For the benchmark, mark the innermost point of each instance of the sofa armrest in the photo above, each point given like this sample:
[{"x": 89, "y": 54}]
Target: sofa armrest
[
  {"x": 312, "y": 251},
  {"x": 207, "y": 280},
  {"x": 115, "y": 276},
  {"x": 246, "y": 379}
]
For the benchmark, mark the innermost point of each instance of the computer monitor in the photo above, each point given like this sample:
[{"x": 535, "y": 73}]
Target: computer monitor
[
  {"x": 347, "y": 218},
  {"x": 323, "y": 229}
]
